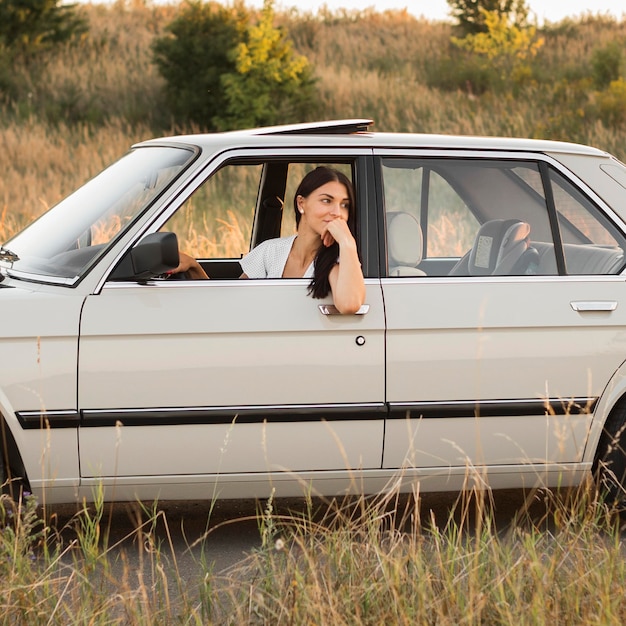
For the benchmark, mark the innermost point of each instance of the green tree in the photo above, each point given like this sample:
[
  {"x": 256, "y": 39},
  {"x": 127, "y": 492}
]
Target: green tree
[
  {"x": 607, "y": 64},
  {"x": 194, "y": 54},
  {"x": 271, "y": 84},
  {"x": 506, "y": 48},
  {"x": 31, "y": 26},
  {"x": 471, "y": 13}
]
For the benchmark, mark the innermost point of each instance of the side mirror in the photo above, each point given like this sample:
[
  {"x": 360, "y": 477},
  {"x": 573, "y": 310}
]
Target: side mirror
[{"x": 155, "y": 254}]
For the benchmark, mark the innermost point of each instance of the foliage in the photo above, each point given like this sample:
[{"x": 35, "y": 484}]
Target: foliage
[
  {"x": 388, "y": 559},
  {"x": 607, "y": 63},
  {"x": 88, "y": 102},
  {"x": 193, "y": 56},
  {"x": 28, "y": 30},
  {"x": 31, "y": 26},
  {"x": 610, "y": 104},
  {"x": 505, "y": 47},
  {"x": 270, "y": 84},
  {"x": 471, "y": 13},
  {"x": 224, "y": 72}
]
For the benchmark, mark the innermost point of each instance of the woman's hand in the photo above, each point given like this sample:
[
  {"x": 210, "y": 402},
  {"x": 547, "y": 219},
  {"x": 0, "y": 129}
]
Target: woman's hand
[
  {"x": 189, "y": 265},
  {"x": 337, "y": 231}
]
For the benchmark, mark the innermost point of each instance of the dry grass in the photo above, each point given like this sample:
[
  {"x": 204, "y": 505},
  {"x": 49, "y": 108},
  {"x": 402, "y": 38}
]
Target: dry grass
[
  {"x": 355, "y": 561},
  {"x": 368, "y": 64}
]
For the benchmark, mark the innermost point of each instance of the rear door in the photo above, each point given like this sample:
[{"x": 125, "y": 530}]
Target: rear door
[{"x": 490, "y": 367}]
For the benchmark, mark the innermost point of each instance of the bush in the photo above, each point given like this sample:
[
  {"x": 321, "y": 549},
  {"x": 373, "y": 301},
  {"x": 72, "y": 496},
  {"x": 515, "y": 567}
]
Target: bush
[
  {"x": 463, "y": 72},
  {"x": 610, "y": 104},
  {"x": 606, "y": 64},
  {"x": 222, "y": 72},
  {"x": 193, "y": 57},
  {"x": 471, "y": 13},
  {"x": 271, "y": 84},
  {"x": 28, "y": 30}
]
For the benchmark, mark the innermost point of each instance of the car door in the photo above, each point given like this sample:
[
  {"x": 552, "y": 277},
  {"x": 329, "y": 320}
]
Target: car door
[
  {"x": 229, "y": 376},
  {"x": 497, "y": 346}
]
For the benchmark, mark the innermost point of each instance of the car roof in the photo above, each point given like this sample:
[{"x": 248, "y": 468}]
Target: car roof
[{"x": 356, "y": 133}]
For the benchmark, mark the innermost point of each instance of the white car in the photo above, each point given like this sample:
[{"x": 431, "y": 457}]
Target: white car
[{"x": 491, "y": 347}]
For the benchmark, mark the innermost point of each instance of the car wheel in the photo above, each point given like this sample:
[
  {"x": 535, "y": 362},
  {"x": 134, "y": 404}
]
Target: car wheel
[{"x": 610, "y": 464}]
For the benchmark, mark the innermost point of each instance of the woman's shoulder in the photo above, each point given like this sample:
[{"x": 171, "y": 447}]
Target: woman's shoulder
[
  {"x": 267, "y": 260},
  {"x": 275, "y": 247},
  {"x": 278, "y": 243}
]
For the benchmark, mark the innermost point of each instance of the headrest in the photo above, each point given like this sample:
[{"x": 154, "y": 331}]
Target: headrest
[
  {"x": 498, "y": 245},
  {"x": 404, "y": 237}
]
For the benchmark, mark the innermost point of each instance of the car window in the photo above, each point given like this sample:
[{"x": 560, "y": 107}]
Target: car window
[
  {"x": 239, "y": 206},
  {"x": 216, "y": 221},
  {"x": 591, "y": 243},
  {"x": 464, "y": 217},
  {"x": 67, "y": 240}
]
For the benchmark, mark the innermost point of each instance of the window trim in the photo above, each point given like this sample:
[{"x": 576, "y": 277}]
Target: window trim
[{"x": 543, "y": 161}]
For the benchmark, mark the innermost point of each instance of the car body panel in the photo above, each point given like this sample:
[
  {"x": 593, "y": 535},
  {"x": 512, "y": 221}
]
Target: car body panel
[
  {"x": 217, "y": 352},
  {"x": 38, "y": 377},
  {"x": 501, "y": 340}
]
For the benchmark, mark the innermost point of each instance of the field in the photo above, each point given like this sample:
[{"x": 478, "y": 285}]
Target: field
[
  {"x": 90, "y": 102},
  {"x": 384, "y": 560},
  {"x": 363, "y": 561}
]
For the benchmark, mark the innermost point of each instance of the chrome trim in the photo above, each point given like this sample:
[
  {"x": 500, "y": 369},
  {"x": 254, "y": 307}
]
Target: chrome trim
[
  {"x": 229, "y": 414},
  {"x": 40, "y": 278},
  {"x": 331, "y": 309},
  {"x": 48, "y": 419},
  {"x": 593, "y": 305},
  {"x": 492, "y": 408}
]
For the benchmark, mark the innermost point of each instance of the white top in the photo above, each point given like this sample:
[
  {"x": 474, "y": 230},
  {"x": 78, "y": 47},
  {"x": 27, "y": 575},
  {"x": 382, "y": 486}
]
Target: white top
[{"x": 268, "y": 259}]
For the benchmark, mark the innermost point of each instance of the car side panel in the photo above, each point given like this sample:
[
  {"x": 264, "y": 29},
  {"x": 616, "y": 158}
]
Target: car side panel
[
  {"x": 504, "y": 343},
  {"x": 228, "y": 376},
  {"x": 38, "y": 381}
]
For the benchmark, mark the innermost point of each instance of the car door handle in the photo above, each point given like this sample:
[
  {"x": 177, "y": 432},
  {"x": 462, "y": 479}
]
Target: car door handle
[
  {"x": 331, "y": 309},
  {"x": 593, "y": 305}
]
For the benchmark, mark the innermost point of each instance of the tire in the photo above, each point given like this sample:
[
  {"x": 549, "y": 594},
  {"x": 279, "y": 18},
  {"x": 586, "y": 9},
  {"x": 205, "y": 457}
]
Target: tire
[{"x": 610, "y": 463}]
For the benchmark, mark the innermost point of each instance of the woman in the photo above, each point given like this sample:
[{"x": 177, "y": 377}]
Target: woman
[{"x": 323, "y": 249}]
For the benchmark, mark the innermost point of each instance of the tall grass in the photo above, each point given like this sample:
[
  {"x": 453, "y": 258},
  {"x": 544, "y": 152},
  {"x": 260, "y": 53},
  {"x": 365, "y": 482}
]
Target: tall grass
[{"x": 356, "y": 561}]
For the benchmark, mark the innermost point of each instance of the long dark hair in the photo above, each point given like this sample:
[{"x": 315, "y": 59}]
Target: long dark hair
[{"x": 326, "y": 258}]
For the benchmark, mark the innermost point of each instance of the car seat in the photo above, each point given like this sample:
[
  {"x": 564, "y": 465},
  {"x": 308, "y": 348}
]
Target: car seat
[
  {"x": 502, "y": 247},
  {"x": 404, "y": 243}
]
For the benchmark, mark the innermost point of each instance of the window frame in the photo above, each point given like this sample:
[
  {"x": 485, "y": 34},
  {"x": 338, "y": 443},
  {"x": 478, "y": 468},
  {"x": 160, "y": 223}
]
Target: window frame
[{"x": 545, "y": 163}]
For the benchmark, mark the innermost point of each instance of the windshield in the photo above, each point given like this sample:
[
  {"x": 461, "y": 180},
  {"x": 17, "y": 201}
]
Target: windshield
[{"x": 64, "y": 242}]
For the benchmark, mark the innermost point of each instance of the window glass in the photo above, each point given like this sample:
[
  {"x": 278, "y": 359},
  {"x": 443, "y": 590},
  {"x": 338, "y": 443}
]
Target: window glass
[
  {"x": 216, "y": 222},
  {"x": 236, "y": 208},
  {"x": 451, "y": 225},
  {"x": 67, "y": 240},
  {"x": 591, "y": 243},
  {"x": 466, "y": 217}
]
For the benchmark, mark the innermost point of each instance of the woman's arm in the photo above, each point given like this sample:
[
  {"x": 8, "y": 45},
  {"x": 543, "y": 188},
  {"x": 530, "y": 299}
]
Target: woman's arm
[
  {"x": 346, "y": 278},
  {"x": 189, "y": 265}
]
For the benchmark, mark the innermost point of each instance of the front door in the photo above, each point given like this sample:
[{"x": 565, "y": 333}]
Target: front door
[{"x": 228, "y": 376}]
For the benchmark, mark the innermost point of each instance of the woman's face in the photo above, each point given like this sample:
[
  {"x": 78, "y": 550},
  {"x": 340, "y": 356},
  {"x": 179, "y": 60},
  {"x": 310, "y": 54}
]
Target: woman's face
[{"x": 323, "y": 205}]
